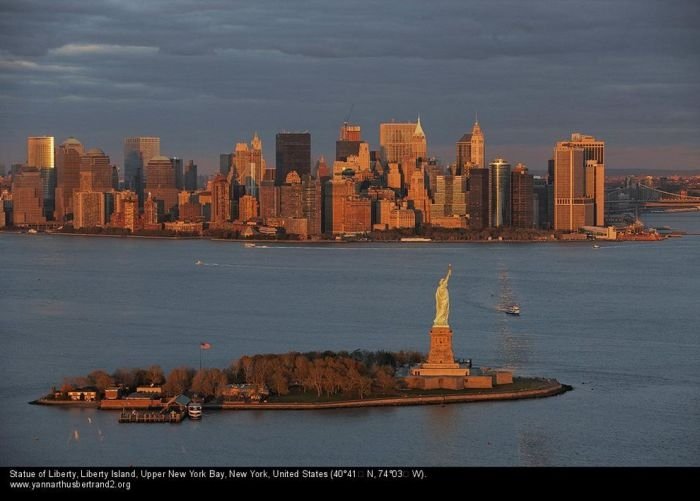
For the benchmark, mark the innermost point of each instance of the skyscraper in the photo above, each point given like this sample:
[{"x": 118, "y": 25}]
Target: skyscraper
[
  {"x": 401, "y": 141},
  {"x": 470, "y": 151},
  {"x": 95, "y": 172},
  {"x": 478, "y": 199},
  {"x": 572, "y": 209},
  {"x": 68, "y": 156},
  {"x": 220, "y": 200},
  {"x": 292, "y": 152},
  {"x": 521, "y": 190},
  {"x": 27, "y": 197},
  {"x": 179, "y": 172},
  {"x": 249, "y": 165},
  {"x": 499, "y": 198},
  {"x": 137, "y": 152},
  {"x": 190, "y": 183},
  {"x": 594, "y": 172},
  {"x": 40, "y": 154},
  {"x": 160, "y": 183}
]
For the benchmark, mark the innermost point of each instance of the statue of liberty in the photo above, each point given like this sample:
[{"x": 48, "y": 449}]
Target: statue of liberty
[{"x": 442, "y": 300}]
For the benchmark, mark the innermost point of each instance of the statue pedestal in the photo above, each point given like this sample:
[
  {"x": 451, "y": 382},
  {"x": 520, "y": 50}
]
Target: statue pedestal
[{"x": 441, "y": 359}]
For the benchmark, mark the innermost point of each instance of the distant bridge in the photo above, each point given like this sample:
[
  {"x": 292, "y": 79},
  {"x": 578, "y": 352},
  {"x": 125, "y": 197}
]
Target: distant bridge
[{"x": 652, "y": 198}]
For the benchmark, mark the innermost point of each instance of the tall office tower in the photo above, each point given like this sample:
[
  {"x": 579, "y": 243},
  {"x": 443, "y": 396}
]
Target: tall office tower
[
  {"x": 572, "y": 209},
  {"x": 150, "y": 212},
  {"x": 68, "y": 156},
  {"x": 478, "y": 199},
  {"x": 95, "y": 172},
  {"x": 450, "y": 198},
  {"x": 249, "y": 165},
  {"x": 393, "y": 177},
  {"x": 311, "y": 204},
  {"x": 247, "y": 208},
  {"x": 178, "y": 166},
  {"x": 290, "y": 196},
  {"x": 292, "y": 152},
  {"x": 594, "y": 173},
  {"x": 137, "y": 152},
  {"x": 220, "y": 200},
  {"x": 540, "y": 189},
  {"x": 269, "y": 200},
  {"x": 521, "y": 198},
  {"x": 595, "y": 189},
  {"x": 418, "y": 197},
  {"x": 190, "y": 181},
  {"x": 401, "y": 141},
  {"x": 28, "y": 197},
  {"x": 335, "y": 194},
  {"x": 225, "y": 162},
  {"x": 160, "y": 183},
  {"x": 357, "y": 215},
  {"x": 88, "y": 209},
  {"x": 499, "y": 197},
  {"x": 2, "y": 170},
  {"x": 40, "y": 154},
  {"x": 470, "y": 151}
]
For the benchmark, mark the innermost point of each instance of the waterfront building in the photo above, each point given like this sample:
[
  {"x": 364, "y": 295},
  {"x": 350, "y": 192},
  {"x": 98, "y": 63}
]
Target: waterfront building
[
  {"x": 499, "y": 196},
  {"x": 291, "y": 196},
  {"x": 68, "y": 162},
  {"x": 521, "y": 196},
  {"x": 418, "y": 197},
  {"x": 28, "y": 197},
  {"x": 126, "y": 210},
  {"x": 478, "y": 199},
  {"x": 336, "y": 193},
  {"x": 292, "y": 152},
  {"x": 572, "y": 208},
  {"x": 357, "y": 215},
  {"x": 311, "y": 204},
  {"x": 150, "y": 213},
  {"x": 88, "y": 209}
]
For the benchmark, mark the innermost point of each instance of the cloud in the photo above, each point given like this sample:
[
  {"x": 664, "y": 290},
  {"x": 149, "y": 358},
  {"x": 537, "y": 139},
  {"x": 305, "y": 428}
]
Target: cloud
[
  {"x": 207, "y": 73},
  {"x": 77, "y": 49}
]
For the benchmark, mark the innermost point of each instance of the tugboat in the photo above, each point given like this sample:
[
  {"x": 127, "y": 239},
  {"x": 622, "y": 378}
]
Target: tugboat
[{"x": 194, "y": 410}]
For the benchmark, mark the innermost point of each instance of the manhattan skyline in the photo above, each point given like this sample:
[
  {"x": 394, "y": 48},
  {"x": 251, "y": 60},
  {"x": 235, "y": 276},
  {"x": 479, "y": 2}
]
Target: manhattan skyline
[{"x": 205, "y": 75}]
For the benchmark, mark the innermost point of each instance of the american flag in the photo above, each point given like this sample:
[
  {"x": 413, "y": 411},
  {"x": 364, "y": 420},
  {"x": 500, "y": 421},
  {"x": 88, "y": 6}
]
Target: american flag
[{"x": 204, "y": 346}]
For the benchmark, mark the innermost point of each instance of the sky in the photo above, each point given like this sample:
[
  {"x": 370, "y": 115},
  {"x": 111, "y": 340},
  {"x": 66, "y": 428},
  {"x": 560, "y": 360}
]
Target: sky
[{"x": 206, "y": 74}]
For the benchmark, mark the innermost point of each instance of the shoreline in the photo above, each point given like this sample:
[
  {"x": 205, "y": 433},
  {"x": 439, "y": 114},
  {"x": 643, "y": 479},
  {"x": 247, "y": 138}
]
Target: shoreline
[
  {"x": 547, "y": 388},
  {"x": 336, "y": 242}
]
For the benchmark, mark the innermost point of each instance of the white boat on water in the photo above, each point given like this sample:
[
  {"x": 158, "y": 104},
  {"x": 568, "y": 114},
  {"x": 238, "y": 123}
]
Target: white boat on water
[
  {"x": 596, "y": 246},
  {"x": 249, "y": 245},
  {"x": 194, "y": 410},
  {"x": 513, "y": 309},
  {"x": 198, "y": 262}
]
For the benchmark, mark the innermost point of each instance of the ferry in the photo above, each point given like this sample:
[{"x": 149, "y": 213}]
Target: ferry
[
  {"x": 32, "y": 231},
  {"x": 416, "y": 239},
  {"x": 194, "y": 410},
  {"x": 249, "y": 245},
  {"x": 198, "y": 262},
  {"x": 596, "y": 246}
]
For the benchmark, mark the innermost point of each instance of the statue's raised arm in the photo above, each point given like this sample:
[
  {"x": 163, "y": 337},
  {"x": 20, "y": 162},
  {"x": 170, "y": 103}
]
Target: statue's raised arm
[{"x": 442, "y": 300}]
